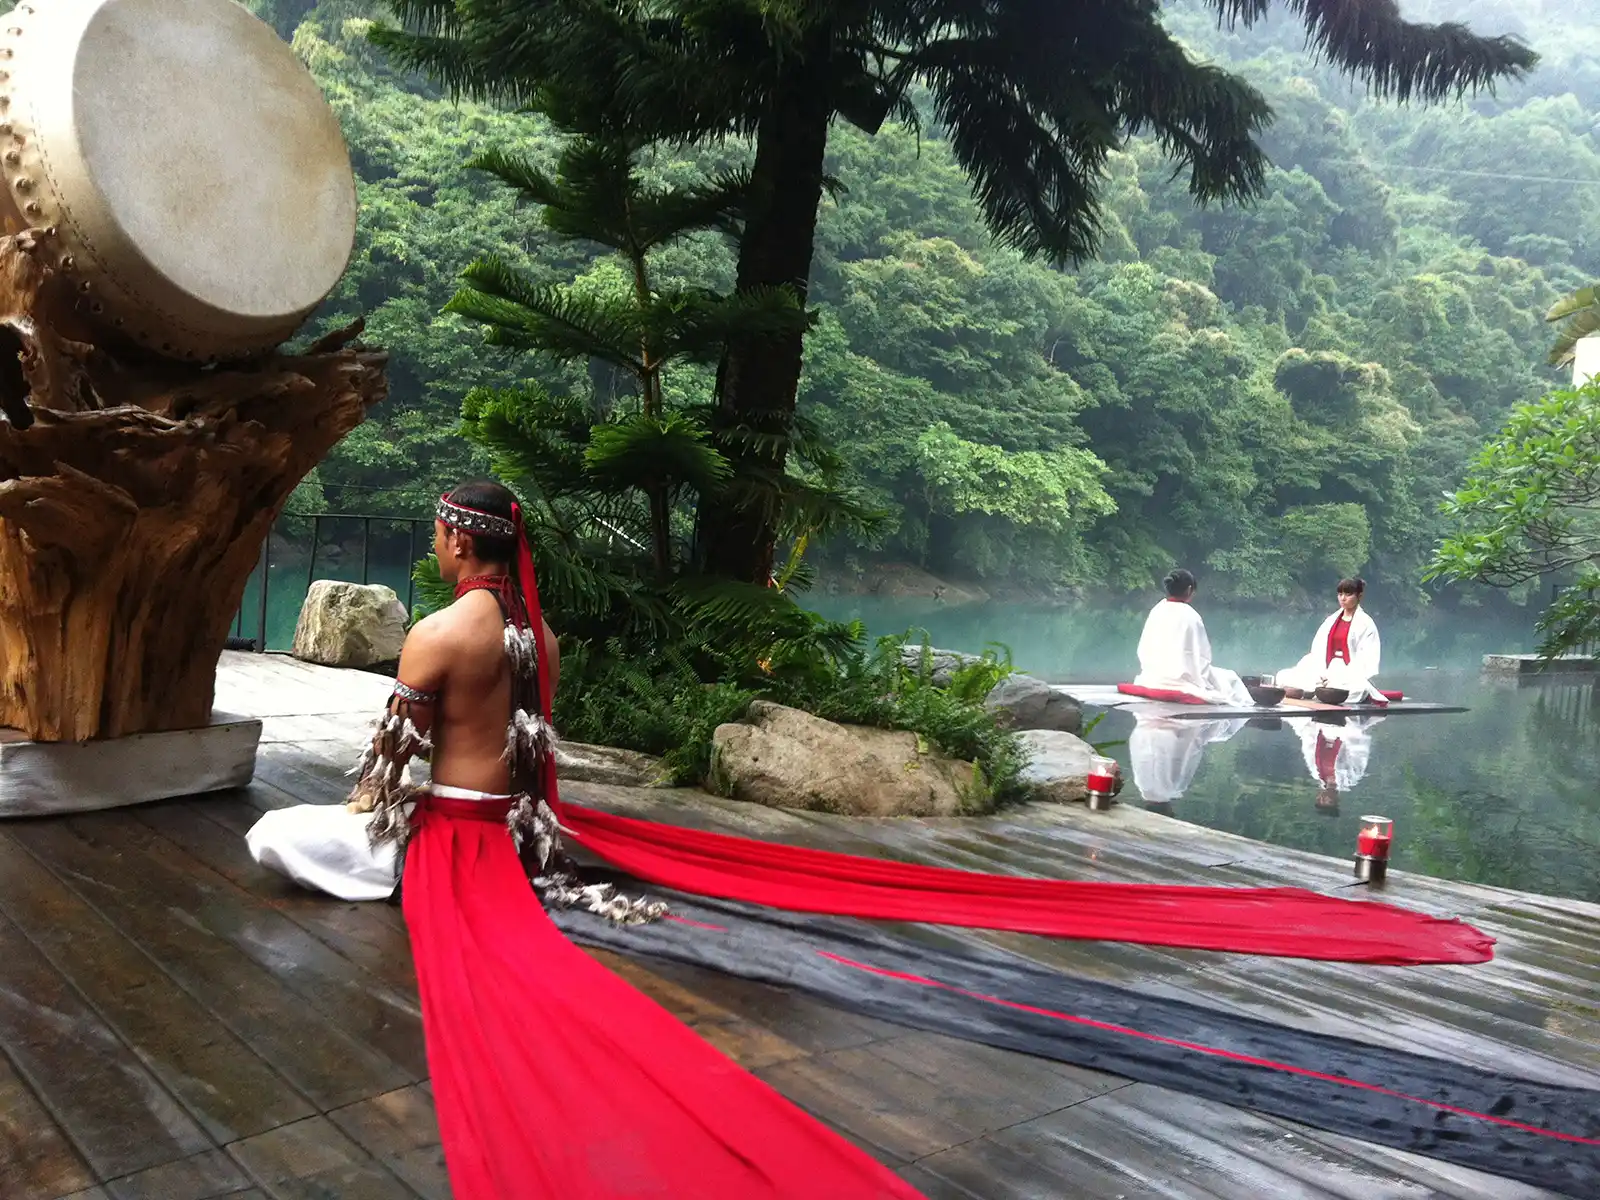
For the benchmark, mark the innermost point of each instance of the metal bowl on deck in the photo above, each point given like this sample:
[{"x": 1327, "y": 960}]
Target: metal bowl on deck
[
  {"x": 1328, "y": 695},
  {"x": 1266, "y": 697},
  {"x": 1250, "y": 681}
]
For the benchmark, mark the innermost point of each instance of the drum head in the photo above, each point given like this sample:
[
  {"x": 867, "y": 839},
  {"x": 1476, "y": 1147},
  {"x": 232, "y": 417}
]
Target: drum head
[{"x": 196, "y": 177}]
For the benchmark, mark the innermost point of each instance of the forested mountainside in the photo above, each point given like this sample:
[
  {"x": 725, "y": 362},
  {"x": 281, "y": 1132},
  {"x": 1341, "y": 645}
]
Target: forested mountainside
[{"x": 1274, "y": 395}]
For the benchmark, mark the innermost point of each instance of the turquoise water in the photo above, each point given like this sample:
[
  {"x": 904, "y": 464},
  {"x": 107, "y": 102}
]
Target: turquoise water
[
  {"x": 338, "y": 554},
  {"x": 1503, "y": 794}
]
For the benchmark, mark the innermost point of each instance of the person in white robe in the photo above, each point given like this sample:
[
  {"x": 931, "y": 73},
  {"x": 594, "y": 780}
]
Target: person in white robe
[
  {"x": 1346, "y": 652},
  {"x": 1337, "y": 756},
  {"x": 1175, "y": 652},
  {"x": 1165, "y": 753}
]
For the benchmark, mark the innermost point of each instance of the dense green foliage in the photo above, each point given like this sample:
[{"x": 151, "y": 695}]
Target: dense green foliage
[
  {"x": 1530, "y": 510},
  {"x": 1031, "y": 97},
  {"x": 1273, "y": 394}
]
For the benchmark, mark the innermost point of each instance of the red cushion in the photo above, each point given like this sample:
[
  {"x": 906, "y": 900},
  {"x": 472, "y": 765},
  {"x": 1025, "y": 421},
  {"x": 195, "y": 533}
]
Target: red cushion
[
  {"x": 1393, "y": 695},
  {"x": 1134, "y": 689}
]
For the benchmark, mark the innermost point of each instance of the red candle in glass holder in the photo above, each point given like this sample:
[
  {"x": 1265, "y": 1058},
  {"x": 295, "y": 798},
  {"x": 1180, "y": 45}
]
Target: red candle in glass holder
[
  {"x": 1102, "y": 780},
  {"x": 1375, "y": 838}
]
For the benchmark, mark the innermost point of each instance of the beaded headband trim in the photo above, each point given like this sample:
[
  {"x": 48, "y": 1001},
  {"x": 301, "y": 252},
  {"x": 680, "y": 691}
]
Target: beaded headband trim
[{"x": 470, "y": 520}]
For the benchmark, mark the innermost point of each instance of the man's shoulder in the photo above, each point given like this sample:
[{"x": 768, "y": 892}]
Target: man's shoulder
[
  {"x": 473, "y": 619},
  {"x": 429, "y": 628}
]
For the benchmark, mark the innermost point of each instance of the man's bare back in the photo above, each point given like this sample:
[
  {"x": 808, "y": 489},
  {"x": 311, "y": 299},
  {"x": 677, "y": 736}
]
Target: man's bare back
[{"x": 459, "y": 654}]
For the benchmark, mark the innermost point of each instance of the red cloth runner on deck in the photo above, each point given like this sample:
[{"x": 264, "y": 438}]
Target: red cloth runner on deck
[
  {"x": 1171, "y": 695},
  {"x": 1288, "y": 922},
  {"x": 555, "y": 1080}
]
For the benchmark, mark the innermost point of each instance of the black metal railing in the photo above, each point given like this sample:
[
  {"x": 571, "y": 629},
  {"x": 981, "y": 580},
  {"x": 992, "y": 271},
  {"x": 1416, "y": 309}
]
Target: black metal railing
[{"x": 353, "y": 547}]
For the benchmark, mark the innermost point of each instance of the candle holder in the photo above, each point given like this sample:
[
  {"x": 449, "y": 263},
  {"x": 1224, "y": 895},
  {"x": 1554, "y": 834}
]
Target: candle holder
[
  {"x": 1102, "y": 782},
  {"x": 1372, "y": 849}
]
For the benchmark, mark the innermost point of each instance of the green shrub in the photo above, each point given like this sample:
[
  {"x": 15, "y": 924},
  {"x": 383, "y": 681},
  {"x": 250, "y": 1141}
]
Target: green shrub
[{"x": 661, "y": 703}]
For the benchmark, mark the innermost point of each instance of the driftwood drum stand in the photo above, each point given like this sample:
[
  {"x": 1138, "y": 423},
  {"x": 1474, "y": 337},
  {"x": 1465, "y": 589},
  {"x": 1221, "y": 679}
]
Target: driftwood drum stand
[{"x": 177, "y": 199}]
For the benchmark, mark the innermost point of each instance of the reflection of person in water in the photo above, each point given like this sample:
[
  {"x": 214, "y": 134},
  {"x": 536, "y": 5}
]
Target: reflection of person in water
[
  {"x": 1165, "y": 753},
  {"x": 1337, "y": 755}
]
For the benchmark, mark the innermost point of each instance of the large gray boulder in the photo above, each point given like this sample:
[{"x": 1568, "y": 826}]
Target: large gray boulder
[
  {"x": 584, "y": 763},
  {"x": 1023, "y": 702},
  {"x": 785, "y": 758},
  {"x": 350, "y": 625},
  {"x": 943, "y": 663},
  {"x": 1058, "y": 765}
]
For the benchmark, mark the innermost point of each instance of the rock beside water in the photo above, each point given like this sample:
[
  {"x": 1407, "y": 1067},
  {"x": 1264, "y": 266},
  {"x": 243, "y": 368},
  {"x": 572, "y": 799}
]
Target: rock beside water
[
  {"x": 1023, "y": 702},
  {"x": 1058, "y": 765},
  {"x": 1019, "y": 701},
  {"x": 943, "y": 664},
  {"x": 350, "y": 625},
  {"x": 785, "y": 758}
]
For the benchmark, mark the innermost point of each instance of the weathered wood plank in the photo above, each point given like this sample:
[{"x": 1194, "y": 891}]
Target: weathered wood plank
[
  {"x": 37, "y": 1162},
  {"x": 202, "y": 1177},
  {"x": 219, "y": 1079},
  {"x": 370, "y": 936},
  {"x": 200, "y": 951},
  {"x": 370, "y": 1009},
  {"x": 116, "y": 1113},
  {"x": 314, "y": 1160},
  {"x": 400, "y": 1130}
]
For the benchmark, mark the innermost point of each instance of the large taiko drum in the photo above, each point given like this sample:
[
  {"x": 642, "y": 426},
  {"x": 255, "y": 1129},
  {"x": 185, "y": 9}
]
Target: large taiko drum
[{"x": 196, "y": 183}]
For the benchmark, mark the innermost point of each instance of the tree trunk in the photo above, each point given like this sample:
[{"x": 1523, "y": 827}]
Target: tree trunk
[
  {"x": 759, "y": 377},
  {"x": 134, "y": 506}
]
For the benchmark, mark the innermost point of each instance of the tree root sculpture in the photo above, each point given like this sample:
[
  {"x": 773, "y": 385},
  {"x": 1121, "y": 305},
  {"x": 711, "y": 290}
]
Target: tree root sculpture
[{"x": 135, "y": 494}]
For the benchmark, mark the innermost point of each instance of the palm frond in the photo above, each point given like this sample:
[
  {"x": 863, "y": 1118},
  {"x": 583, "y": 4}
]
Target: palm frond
[
  {"x": 1396, "y": 58},
  {"x": 1583, "y": 298},
  {"x": 1580, "y": 325},
  {"x": 698, "y": 325},
  {"x": 517, "y": 171},
  {"x": 523, "y": 315},
  {"x": 651, "y": 451}
]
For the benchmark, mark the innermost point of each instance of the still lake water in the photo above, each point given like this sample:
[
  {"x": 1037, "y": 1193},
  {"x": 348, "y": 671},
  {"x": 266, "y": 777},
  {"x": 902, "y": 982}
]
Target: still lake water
[{"x": 1504, "y": 794}]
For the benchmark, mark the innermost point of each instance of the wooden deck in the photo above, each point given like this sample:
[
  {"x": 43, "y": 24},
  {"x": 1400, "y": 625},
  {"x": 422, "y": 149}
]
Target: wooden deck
[{"x": 176, "y": 1024}]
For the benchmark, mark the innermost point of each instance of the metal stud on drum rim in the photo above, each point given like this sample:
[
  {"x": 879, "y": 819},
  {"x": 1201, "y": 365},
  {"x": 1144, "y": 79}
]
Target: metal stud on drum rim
[{"x": 183, "y": 165}]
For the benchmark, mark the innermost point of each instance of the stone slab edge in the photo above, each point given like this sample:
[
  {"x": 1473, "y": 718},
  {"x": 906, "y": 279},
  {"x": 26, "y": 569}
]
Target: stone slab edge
[{"x": 45, "y": 778}]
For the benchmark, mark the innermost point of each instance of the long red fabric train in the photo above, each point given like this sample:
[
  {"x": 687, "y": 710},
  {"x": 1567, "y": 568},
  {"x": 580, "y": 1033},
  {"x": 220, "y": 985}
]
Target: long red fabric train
[
  {"x": 553, "y": 1078},
  {"x": 556, "y": 1080},
  {"x": 1287, "y": 922}
]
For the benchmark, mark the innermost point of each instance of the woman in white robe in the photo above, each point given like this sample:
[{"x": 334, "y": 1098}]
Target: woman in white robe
[
  {"x": 1346, "y": 652},
  {"x": 1175, "y": 653}
]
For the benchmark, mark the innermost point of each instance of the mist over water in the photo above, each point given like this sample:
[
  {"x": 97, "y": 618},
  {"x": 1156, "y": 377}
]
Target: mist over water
[{"x": 1504, "y": 794}]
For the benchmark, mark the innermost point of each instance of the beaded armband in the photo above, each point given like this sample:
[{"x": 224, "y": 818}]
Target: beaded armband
[{"x": 413, "y": 695}]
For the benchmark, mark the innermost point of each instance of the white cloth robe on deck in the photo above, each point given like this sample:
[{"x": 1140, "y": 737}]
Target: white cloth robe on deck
[
  {"x": 1356, "y": 676},
  {"x": 325, "y": 847},
  {"x": 1175, "y": 656}
]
